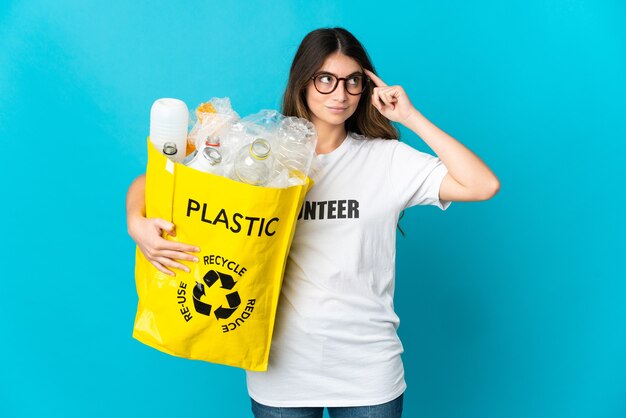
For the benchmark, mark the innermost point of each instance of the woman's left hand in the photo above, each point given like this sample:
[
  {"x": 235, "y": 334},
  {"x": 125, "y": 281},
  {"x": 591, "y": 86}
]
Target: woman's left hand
[{"x": 391, "y": 101}]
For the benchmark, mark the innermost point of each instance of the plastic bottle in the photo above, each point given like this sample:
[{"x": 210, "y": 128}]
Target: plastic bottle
[
  {"x": 170, "y": 149},
  {"x": 208, "y": 160},
  {"x": 254, "y": 163},
  {"x": 296, "y": 142},
  {"x": 169, "y": 120}
]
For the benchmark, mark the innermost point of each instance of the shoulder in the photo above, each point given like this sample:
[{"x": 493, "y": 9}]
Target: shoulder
[{"x": 392, "y": 148}]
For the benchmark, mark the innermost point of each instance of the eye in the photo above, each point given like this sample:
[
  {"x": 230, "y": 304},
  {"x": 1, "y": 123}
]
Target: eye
[
  {"x": 325, "y": 78},
  {"x": 354, "y": 80}
]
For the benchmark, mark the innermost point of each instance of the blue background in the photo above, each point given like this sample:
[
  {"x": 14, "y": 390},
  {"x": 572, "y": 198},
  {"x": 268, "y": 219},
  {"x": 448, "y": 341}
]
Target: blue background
[{"x": 512, "y": 307}]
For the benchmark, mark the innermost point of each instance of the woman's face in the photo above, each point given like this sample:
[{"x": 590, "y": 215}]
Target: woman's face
[{"x": 336, "y": 107}]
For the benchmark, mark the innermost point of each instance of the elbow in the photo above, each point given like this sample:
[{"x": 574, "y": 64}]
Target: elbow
[
  {"x": 490, "y": 191},
  {"x": 484, "y": 191}
]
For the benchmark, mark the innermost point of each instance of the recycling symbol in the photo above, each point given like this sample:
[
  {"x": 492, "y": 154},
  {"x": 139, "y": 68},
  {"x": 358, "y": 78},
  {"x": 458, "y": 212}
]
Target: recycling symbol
[{"x": 227, "y": 282}]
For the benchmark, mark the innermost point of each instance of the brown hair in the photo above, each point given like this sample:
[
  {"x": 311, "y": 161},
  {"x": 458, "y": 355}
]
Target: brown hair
[{"x": 314, "y": 49}]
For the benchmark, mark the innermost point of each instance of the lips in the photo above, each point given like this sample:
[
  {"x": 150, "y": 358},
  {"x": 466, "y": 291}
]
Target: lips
[{"x": 336, "y": 109}]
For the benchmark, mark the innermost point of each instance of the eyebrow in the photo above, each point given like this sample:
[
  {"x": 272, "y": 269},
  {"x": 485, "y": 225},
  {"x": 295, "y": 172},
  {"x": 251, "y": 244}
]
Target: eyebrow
[{"x": 333, "y": 74}]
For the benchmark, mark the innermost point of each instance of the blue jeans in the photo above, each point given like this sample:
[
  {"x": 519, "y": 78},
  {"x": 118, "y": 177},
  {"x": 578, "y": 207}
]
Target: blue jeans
[{"x": 391, "y": 409}]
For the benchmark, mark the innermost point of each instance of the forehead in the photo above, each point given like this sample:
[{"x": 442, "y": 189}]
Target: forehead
[{"x": 340, "y": 65}]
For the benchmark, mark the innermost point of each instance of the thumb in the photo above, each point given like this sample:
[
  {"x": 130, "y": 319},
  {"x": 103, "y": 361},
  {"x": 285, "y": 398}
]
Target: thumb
[{"x": 166, "y": 226}]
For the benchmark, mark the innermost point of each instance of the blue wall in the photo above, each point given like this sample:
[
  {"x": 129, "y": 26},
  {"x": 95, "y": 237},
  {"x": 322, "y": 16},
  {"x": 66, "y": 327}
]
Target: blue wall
[{"x": 510, "y": 308}]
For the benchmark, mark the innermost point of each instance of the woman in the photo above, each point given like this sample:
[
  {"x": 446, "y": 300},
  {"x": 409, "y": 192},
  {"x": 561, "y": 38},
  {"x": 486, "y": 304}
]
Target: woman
[{"x": 335, "y": 343}]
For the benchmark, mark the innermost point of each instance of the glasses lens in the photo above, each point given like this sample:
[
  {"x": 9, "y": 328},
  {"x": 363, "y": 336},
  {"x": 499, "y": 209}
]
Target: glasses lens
[
  {"x": 355, "y": 84},
  {"x": 325, "y": 83}
]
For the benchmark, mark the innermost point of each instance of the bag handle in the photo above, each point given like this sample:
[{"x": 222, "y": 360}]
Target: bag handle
[{"x": 160, "y": 180}]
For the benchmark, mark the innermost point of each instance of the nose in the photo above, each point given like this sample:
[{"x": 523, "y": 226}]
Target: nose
[{"x": 340, "y": 94}]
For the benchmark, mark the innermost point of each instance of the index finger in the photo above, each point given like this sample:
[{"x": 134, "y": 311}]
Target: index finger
[
  {"x": 179, "y": 246},
  {"x": 375, "y": 78}
]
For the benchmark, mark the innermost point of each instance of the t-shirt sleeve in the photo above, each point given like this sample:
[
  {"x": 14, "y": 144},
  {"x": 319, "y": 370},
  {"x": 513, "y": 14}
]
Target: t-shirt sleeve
[{"x": 415, "y": 177}]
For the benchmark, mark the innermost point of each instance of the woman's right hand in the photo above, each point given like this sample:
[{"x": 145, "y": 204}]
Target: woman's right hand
[{"x": 161, "y": 253}]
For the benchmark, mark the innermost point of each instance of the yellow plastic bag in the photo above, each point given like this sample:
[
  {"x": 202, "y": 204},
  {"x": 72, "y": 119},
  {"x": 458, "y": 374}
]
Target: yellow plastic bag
[{"x": 223, "y": 310}]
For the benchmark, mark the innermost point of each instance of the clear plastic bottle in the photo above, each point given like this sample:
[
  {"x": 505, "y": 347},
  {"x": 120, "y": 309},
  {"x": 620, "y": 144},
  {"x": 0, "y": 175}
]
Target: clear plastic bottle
[
  {"x": 254, "y": 163},
  {"x": 296, "y": 145},
  {"x": 208, "y": 161}
]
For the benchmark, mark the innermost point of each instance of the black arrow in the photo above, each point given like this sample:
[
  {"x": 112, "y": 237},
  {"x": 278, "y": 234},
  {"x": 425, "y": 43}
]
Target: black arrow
[
  {"x": 211, "y": 277},
  {"x": 198, "y": 290},
  {"x": 233, "y": 299},
  {"x": 223, "y": 313},
  {"x": 227, "y": 281},
  {"x": 201, "y": 307}
]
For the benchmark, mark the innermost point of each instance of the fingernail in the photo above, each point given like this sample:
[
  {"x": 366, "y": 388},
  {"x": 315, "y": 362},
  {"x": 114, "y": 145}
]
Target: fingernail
[
  {"x": 195, "y": 259},
  {"x": 197, "y": 249},
  {"x": 187, "y": 269}
]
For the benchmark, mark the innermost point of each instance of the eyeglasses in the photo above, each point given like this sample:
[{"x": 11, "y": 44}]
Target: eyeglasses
[{"x": 326, "y": 83}]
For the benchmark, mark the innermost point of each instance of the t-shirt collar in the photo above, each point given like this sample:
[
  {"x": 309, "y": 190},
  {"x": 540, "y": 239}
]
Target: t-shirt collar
[{"x": 336, "y": 153}]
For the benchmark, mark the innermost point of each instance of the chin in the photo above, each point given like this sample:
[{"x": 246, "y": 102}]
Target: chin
[{"x": 335, "y": 121}]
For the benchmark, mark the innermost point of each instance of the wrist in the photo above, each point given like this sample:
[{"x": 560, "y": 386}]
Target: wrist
[
  {"x": 412, "y": 119},
  {"x": 132, "y": 223}
]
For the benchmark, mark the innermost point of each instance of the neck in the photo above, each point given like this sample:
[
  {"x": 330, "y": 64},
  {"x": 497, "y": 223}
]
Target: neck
[{"x": 329, "y": 137}]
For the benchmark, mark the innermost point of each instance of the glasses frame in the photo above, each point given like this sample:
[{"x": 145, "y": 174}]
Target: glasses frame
[{"x": 366, "y": 81}]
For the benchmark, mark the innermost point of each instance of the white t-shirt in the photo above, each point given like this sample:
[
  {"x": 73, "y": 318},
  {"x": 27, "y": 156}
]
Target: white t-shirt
[{"x": 335, "y": 340}]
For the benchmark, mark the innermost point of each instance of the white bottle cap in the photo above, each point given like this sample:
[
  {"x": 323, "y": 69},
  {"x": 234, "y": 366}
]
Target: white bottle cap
[{"x": 169, "y": 120}]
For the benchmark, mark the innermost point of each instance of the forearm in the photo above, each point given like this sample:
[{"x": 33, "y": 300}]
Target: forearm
[
  {"x": 462, "y": 164},
  {"x": 135, "y": 199}
]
